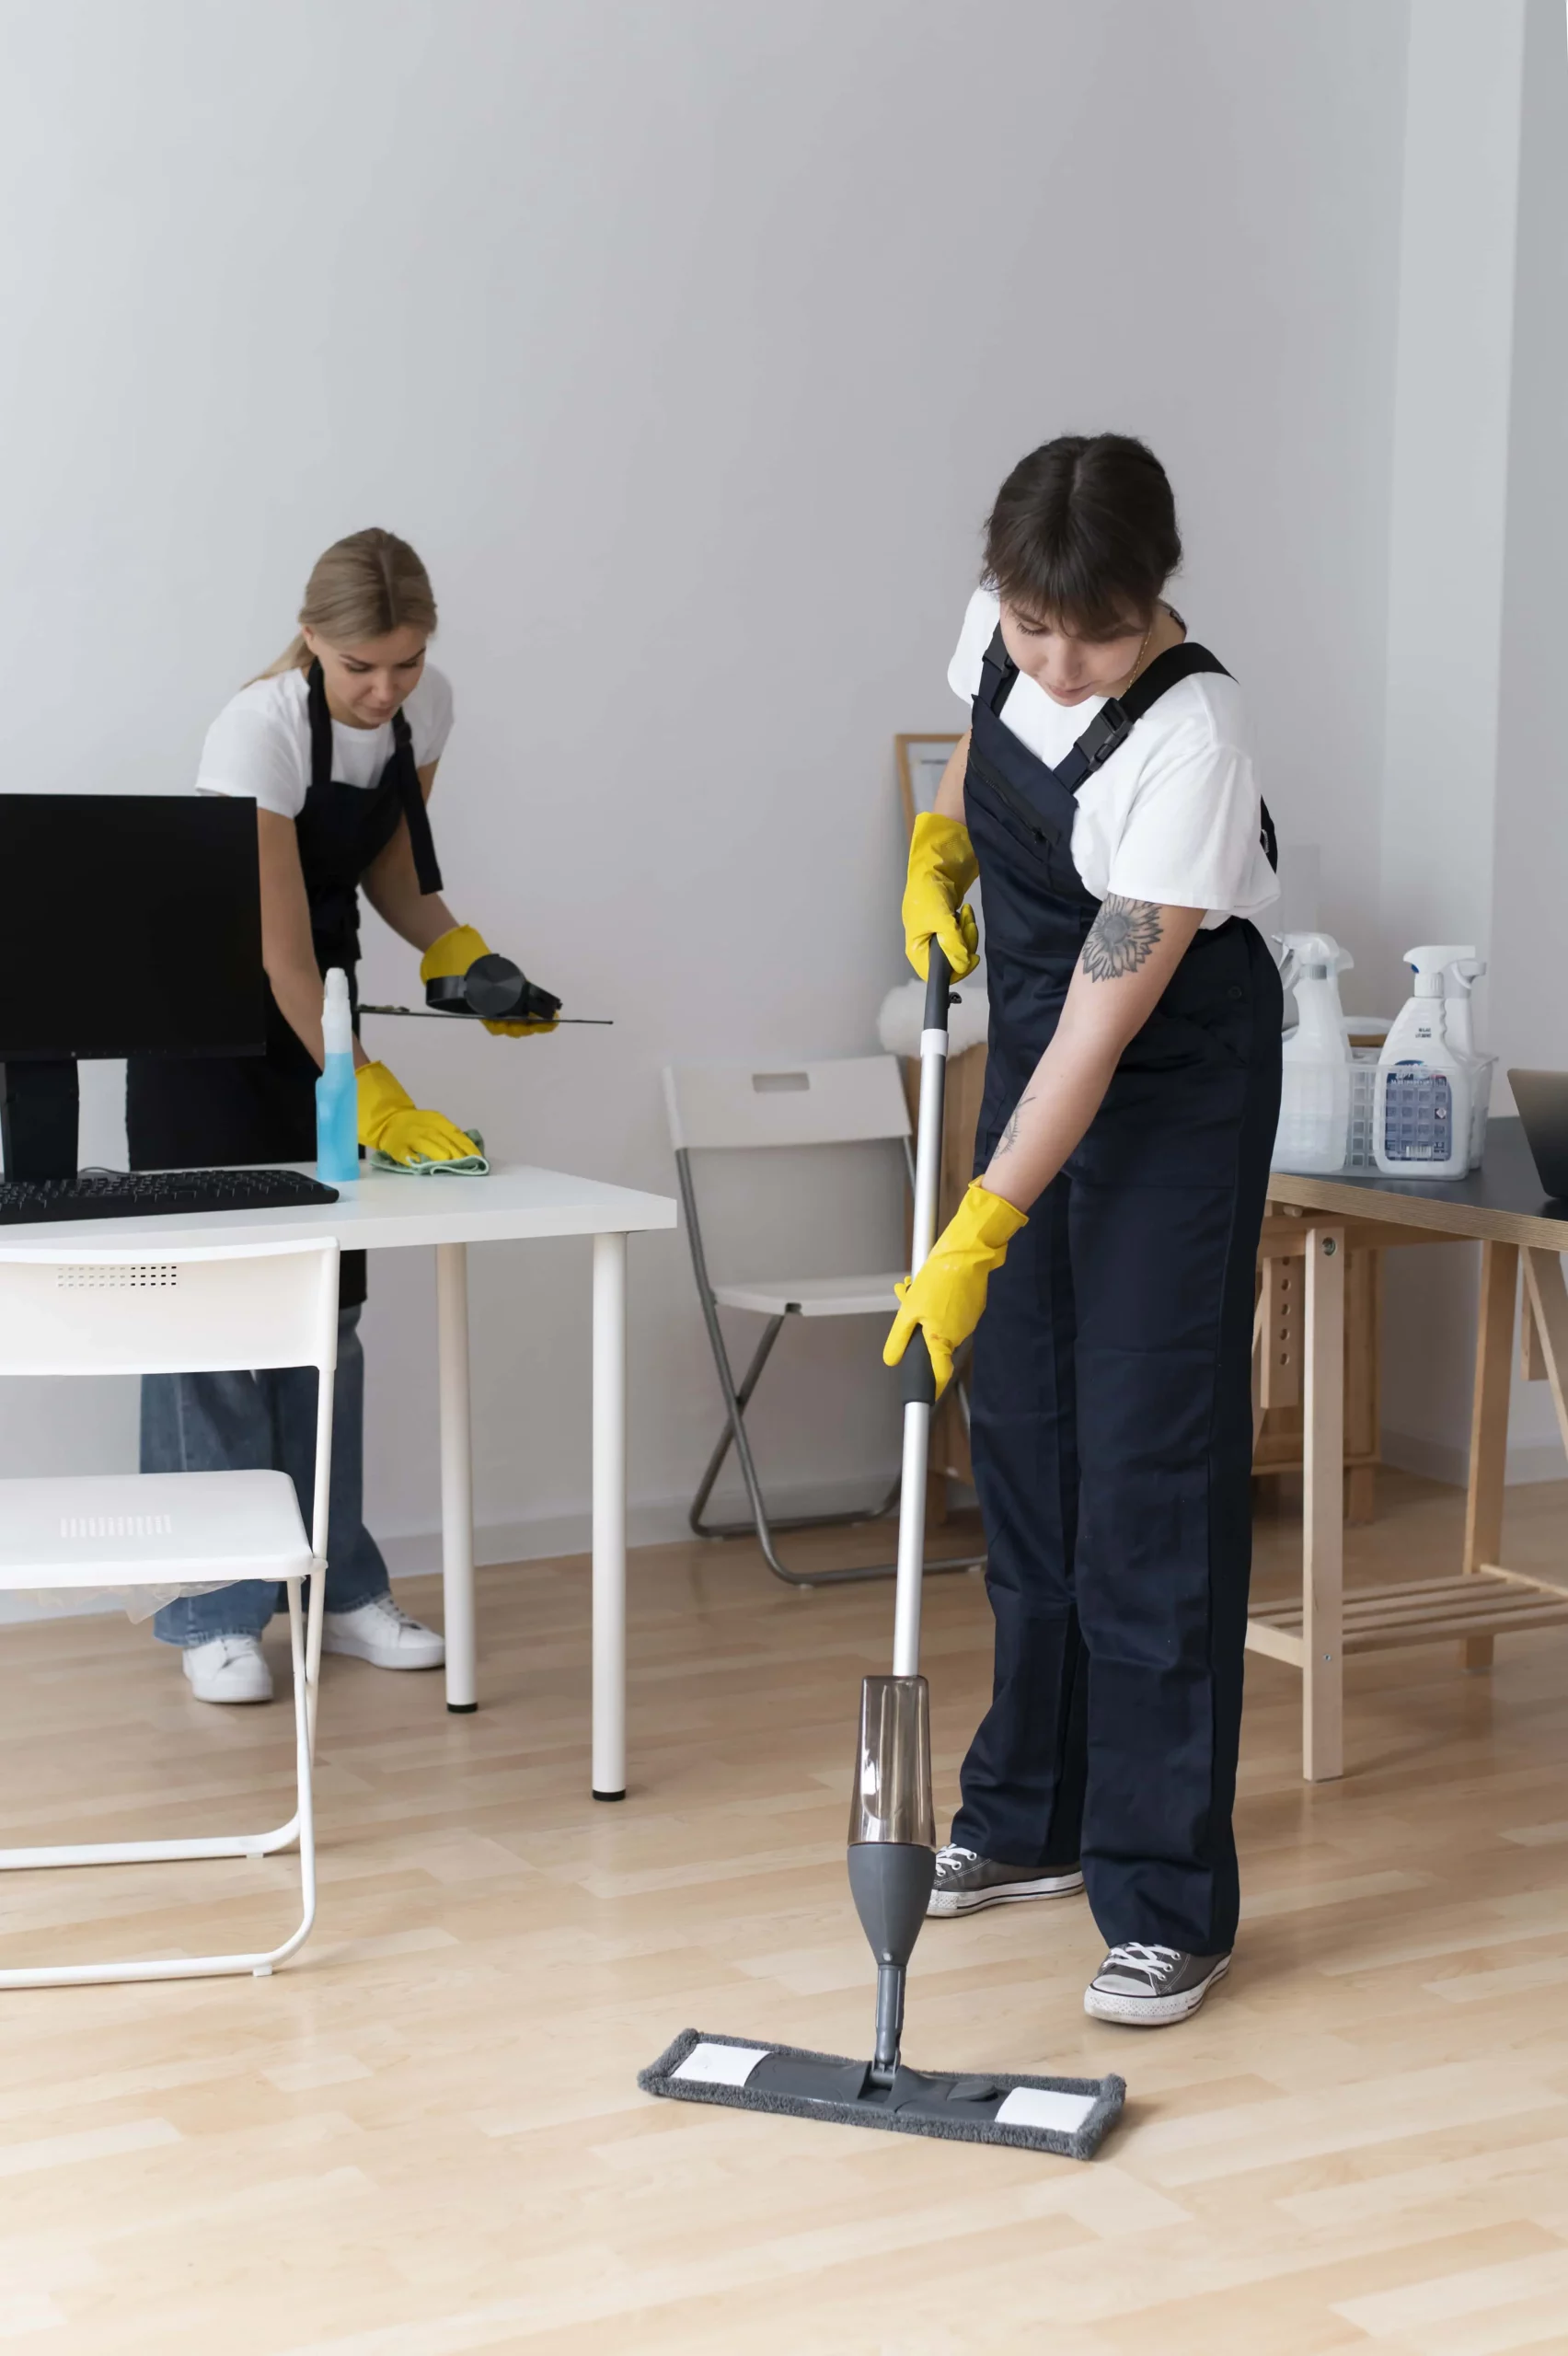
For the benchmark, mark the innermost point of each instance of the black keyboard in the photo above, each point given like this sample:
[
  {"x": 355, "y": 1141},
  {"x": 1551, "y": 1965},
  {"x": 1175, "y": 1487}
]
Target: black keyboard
[{"x": 147, "y": 1194}]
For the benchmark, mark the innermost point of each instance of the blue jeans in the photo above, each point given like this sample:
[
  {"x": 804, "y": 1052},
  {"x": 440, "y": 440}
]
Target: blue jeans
[{"x": 233, "y": 1423}]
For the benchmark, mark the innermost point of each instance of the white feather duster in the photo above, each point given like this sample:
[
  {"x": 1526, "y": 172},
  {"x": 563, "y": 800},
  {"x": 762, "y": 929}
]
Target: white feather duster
[{"x": 903, "y": 1010}]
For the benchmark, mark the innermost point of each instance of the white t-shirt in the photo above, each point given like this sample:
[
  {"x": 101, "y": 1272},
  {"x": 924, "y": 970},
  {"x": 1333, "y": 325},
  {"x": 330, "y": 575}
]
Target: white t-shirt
[
  {"x": 260, "y": 743},
  {"x": 1174, "y": 814}
]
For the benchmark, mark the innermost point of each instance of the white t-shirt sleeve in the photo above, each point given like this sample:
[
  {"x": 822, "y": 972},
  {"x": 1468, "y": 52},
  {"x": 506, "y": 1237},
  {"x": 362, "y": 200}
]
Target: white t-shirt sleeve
[
  {"x": 429, "y": 716},
  {"x": 1191, "y": 837},
  {"x": 979, "y": 628},
  {"x": 251, "y": 748}
]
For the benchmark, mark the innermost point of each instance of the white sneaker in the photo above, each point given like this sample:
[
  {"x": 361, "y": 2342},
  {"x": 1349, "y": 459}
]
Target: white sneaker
[
  {"x": 380, "y": 1633},
  {"x": 228, "y": 1669}
]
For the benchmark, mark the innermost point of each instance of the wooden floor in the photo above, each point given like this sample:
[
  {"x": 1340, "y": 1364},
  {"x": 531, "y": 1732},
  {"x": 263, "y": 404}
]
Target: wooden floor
[{"x": 424, "y": 2137}]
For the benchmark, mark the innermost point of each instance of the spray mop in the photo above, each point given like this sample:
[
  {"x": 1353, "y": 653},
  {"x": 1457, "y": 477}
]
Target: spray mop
[{"x": 893, "y": 1837}]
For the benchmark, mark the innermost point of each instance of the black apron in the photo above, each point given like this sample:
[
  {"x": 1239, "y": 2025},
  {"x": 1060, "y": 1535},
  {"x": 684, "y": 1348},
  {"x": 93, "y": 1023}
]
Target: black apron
[
  {"x": 1112, "y": 1401},
  {"x": 218, "y": 1111}
]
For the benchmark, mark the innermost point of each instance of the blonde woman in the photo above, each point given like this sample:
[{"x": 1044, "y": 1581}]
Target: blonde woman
[{"x": 337, "y": 744}]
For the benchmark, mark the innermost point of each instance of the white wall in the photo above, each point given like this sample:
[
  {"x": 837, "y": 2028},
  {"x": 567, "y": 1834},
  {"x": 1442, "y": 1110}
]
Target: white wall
[
  {"x": 1528, "y": 985},
  {"x": 688, "y": 343},
  {"x": 1448, "y": 537},
  {"x": 1528, "y": 980},
  {"x": 1475, "y": 828},
  {"x": 1449, "y": 474}
]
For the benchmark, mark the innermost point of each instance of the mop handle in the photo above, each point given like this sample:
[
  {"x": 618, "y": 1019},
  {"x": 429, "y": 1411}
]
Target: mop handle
[
  {"x": 919, "y": 1388},
  {"x": 933, "y": 1077},
  {"x": 919, "y": 1384}
]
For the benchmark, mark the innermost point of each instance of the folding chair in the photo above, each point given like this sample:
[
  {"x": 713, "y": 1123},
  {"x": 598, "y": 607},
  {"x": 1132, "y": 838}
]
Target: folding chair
[
  {"x": 181, "y": 1310},
  {"x": 749, "y": 1107}
]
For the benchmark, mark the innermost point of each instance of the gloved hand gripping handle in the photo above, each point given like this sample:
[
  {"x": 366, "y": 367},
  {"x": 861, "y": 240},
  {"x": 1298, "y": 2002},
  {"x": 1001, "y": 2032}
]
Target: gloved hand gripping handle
[{"x": 493, "y": 988}]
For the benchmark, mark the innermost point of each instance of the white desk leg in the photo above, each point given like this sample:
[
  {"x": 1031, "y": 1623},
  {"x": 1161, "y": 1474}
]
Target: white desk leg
[
  {"x": 456, "y": 1473},
  {"x": 609, "y": 1518}
]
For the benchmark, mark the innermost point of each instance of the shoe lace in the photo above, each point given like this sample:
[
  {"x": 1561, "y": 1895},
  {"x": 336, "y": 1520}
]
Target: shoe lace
[
  {"x": 952, "y": 1859},
  {"x": 395, "y": 1613},
  {"x": 1155, "y": 1963}
]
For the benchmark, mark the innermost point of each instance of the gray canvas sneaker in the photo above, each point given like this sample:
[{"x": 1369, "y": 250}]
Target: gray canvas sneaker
[
  {"x": 966, "y": 1882},
  {"x": 1147, "y": 1987}
]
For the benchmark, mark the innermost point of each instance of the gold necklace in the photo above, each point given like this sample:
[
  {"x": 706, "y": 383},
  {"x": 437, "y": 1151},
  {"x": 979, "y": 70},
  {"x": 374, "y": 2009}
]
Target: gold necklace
[{"x": 1143, "y": 649}]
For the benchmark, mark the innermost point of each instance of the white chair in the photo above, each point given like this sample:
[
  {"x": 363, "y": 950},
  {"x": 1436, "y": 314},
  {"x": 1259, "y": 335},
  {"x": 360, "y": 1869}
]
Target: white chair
[
  {"x": 732, "y": 1106},
  {"x": 184, "y": 1310}
]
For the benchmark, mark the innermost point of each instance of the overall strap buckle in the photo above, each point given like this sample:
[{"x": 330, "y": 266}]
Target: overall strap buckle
[
  {"x": 1114, "y": 721},
  {"x": 1110, "y": 727}
]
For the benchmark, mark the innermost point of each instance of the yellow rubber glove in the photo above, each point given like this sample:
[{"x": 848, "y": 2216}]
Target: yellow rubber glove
[
  {"x": 942, "y": 866},
  {"x": 390, "y": 1118},
  {"x": 948, "y": 1297},
  {"x": 453, "y": 953}
]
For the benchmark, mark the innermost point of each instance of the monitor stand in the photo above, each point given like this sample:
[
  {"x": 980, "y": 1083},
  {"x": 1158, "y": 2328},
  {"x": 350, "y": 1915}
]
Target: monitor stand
[{"x": 38, "y": 1118}]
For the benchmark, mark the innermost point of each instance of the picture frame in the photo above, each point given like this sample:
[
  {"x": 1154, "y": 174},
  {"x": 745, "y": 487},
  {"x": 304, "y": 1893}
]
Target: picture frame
[{"x": 921, "y": 760}]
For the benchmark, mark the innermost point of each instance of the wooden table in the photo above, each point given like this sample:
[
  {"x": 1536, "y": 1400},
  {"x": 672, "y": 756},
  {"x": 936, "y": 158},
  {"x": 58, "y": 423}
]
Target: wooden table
[{"x": 1310, "y": 1225}]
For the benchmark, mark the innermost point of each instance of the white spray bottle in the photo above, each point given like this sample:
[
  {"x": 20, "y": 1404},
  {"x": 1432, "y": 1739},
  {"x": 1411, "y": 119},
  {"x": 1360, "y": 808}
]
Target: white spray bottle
[
  {"x": 1420, "y": 1126},
  {"x": 1314, "y": 1105},
  {"x": 1459, "y": 979}
]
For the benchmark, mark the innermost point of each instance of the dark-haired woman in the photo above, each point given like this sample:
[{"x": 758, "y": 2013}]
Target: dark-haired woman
[{"x": 1104, "y": 795}]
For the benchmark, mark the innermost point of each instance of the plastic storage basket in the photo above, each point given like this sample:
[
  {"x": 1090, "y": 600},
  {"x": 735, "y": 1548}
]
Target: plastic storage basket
[{"x": 1363, "y": 1108}]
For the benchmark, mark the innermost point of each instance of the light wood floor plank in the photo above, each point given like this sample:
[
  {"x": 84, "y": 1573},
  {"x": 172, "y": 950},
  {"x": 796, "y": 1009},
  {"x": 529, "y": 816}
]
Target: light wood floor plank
[{"x": 426, "y": 2136}]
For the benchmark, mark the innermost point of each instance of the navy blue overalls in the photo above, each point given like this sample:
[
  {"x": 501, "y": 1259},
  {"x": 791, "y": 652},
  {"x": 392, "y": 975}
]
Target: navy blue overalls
[
  {"x": 1111, "y": 1396},
  {"x": 230, "y": 1110}
]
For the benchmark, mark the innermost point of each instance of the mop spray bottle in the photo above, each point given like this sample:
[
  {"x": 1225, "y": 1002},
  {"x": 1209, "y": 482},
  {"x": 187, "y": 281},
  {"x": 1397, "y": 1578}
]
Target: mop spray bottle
[
  {"x": 1422, "y": 1124},
  {"x": 336, "y": 1090},
  {"x": 1314, "y": 1108}
]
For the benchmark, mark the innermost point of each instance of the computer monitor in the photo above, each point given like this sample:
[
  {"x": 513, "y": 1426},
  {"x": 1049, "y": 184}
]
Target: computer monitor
[{"x": 130, "y": 925}]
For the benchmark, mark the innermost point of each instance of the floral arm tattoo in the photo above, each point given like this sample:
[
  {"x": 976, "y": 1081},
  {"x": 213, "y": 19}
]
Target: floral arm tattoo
[
  {"x": 1009, "y": 1135},
  {"x": 1123, "y": 937}
]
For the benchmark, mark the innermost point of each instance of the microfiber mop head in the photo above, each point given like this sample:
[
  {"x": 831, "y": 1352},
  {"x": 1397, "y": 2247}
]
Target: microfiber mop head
[{"x": 1065, "y": 2115}]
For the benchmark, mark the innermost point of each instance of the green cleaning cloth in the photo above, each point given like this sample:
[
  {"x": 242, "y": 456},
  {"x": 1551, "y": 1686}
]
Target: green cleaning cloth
[{"x": 472, "y": 1165}]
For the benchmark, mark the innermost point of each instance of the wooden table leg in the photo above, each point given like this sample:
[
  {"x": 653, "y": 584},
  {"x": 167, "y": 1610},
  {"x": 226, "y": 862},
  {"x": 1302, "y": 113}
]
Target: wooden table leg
[
  {"x": 1322, "y": 1519},
  {"x": 1489, "y": 1422},
  {"x": 1361, "y": 1496},
  {"x": 1549, "y": 1312}
]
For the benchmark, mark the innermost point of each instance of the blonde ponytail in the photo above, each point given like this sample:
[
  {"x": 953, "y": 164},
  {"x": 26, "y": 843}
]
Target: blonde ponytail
[
  {"x": 295, "y": 656},
  {"x": 364, "y": 587}
]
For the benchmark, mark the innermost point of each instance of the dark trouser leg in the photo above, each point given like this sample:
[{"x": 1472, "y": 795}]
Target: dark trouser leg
[
  {"x": 355, "y": 1570},
  {"x": 1023, "y": 1779},
  {"x": 1164, "y": 1290},
  {"x": 209, "y": 1423}
]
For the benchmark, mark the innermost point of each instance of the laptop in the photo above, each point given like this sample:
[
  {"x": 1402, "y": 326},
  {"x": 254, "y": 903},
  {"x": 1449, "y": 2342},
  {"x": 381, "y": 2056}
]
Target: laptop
[{"x": 1542, "y": 1100}]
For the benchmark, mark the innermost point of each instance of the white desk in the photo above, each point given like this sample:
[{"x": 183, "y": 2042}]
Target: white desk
[{"x": 381, "y": 1213}]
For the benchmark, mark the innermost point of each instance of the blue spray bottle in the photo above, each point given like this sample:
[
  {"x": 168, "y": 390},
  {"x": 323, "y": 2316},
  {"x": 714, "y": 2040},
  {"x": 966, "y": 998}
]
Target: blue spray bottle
[{"x": 336, "y": 1090}]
